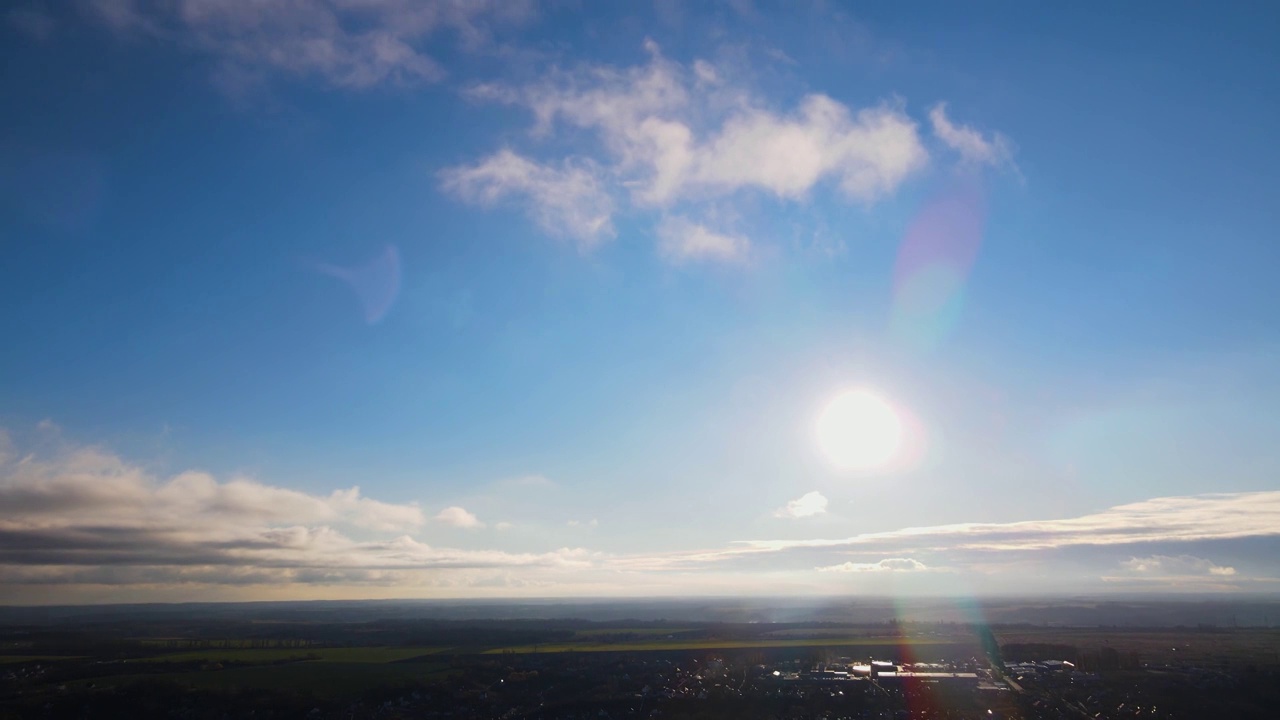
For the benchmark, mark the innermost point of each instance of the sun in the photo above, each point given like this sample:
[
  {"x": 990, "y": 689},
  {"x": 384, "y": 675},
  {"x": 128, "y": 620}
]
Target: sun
[{"x": 859, "y": 430}]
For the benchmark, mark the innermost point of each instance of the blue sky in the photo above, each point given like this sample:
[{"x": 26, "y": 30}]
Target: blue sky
[{"x": 563, "y": 291}]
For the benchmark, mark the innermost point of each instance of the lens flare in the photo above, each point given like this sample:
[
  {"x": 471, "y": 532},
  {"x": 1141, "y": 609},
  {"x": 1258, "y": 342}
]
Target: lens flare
[
  {"x": 933, "y": 265},
  {"x": 375, "y": 284}
]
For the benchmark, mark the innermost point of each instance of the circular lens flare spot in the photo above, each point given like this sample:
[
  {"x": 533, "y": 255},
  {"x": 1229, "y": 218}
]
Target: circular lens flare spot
[{"x": 859, "y": 430}]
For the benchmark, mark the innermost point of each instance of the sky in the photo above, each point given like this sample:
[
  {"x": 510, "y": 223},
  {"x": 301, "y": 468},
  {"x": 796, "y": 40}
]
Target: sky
[{"x": 393, "y": 299}]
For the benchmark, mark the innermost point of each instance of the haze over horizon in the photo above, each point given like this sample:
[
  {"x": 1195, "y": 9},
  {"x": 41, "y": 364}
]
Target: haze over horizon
[{"x": 388, "y": 299}]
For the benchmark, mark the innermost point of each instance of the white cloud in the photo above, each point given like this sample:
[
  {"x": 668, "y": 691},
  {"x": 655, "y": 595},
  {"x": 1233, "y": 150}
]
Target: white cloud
[
  {"x": 579, "y": 523},
  {"x": 89, "y": 485},
  {"x": 681, "y": 241},
  {"x": 871, "y": 151},
  {"x": 886, "y": 565},
  {"x": 675, "y": 137},
  {"x": 969, "y": 143},
  {"x": 654, "y": 126},
  {"x": 1221, "y": 516},
  {"x": 345, "y": 44},
  {"x": 807, "y": 505},
  {"x": 87, "y": 517},
  {"x": 568, "y": 201},
  {"x": 458, "y": 517},
  {"x": 997, "y": 549},
  {"x": 1160, "y": 565}
]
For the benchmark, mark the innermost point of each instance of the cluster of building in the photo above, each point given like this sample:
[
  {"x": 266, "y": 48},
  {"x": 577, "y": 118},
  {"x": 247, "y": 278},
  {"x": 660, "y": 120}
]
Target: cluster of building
[{"x": 885, "y": 672}]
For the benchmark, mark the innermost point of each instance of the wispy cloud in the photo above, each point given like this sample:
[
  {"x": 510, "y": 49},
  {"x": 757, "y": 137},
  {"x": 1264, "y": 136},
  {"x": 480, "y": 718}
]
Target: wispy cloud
[
  {"x": 1220, "y": 516},
  {"x": 566, "y": 201},
  {"x": 344, "y": 44},
  {"x": 968, "y": 142},
  {"x": 681, "y": 241},
  {"x": 674, "y": 138},
  {"x": 528, "y": 481},
  {"x": 1100, "y": 540},
  {"x": 1185, "y": 572},
  {"x": 807, "y": 505}
]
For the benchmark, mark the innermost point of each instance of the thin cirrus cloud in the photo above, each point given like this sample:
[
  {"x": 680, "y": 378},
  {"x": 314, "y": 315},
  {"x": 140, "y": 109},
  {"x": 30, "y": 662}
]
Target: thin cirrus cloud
[
  {"x": 681, "y": 241},
  {"x": 1183, "y": 572},
  {"x": 1126, "y": 544},
  {"x": 968, "y": 142},
  {"x": 673, "y": 141},
  {"x": 343, "y": 44},
  {"x": 1193, "y": 518}
]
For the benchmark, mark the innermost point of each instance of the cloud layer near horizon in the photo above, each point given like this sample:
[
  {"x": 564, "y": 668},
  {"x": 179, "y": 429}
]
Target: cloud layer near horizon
[
  {"x": 1117, "y": 546},
  {"x": 83, "y": 517},
  {"x": 1215, "y": 516}
]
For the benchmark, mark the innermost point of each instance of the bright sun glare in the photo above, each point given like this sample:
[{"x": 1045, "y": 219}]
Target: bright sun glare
[{"x": 859, "y": 430}]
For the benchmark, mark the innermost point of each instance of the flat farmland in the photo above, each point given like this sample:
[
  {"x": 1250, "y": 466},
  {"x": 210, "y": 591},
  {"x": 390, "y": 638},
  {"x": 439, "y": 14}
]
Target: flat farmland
[
  {"x": 355, "y": 655},
  {"x": 12, "y": 659},
  {"x": 647, "y": 631},
  {"x": 876, "y": 645},
  {"x": 1160, "y": 646}
]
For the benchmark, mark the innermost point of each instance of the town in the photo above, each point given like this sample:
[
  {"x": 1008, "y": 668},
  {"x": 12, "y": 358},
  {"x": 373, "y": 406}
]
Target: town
[{"x": 349, "y": 667}]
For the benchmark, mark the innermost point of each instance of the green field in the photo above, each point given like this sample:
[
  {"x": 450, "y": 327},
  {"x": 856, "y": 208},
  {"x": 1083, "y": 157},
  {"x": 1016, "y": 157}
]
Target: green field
[
  {"x": 10, "y": 659},
  {"x": 596, "y": 632},
  {"x": 353, "y": 655},
  {"x": 243, "y": 643},
  {"x": 712, "y": 644},
  {"x": 1184, "y": 646}
]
